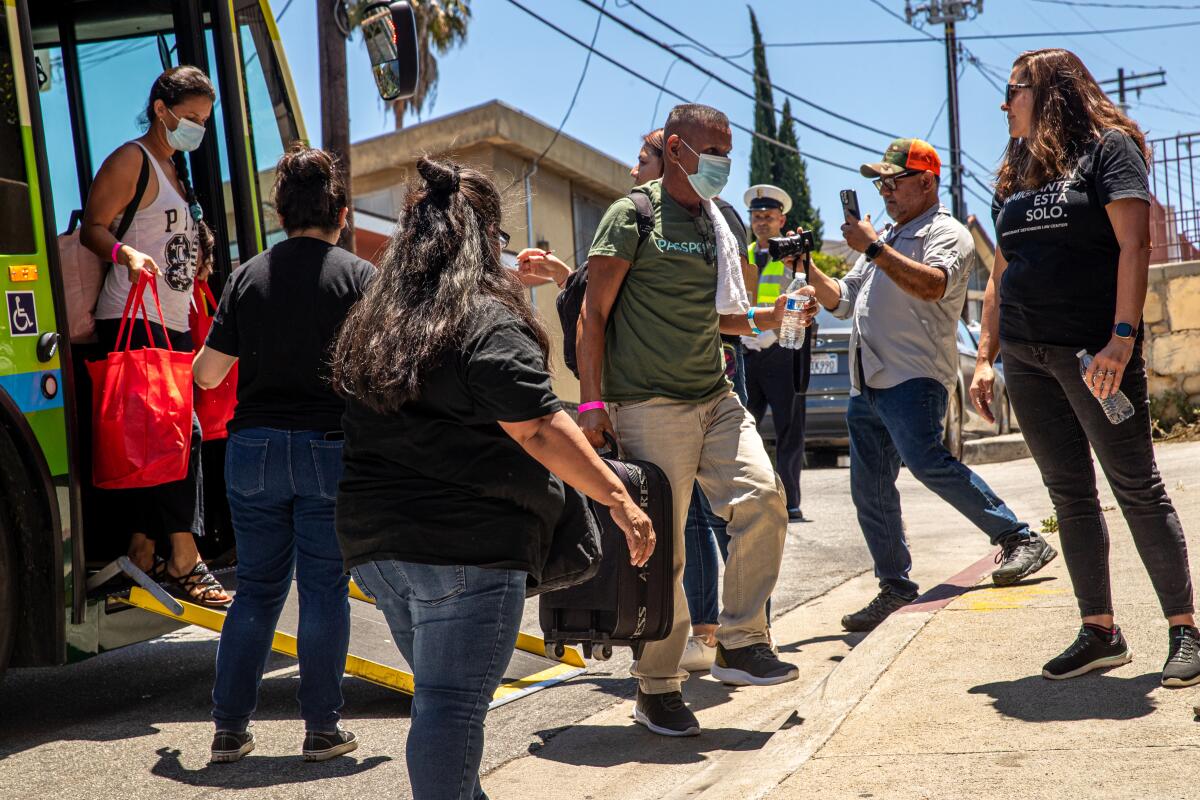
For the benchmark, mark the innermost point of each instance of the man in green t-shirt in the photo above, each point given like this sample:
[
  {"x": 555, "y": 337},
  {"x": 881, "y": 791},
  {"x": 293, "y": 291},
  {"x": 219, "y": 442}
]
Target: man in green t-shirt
[{"x": 653, "y": 355}]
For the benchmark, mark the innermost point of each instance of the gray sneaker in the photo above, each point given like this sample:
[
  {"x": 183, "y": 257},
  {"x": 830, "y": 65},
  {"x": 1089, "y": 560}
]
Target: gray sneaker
[
  {"x": 1183, "y": 665},
  {"x": 1020, "y": 557},
  {"x": 869, "y": 617}
]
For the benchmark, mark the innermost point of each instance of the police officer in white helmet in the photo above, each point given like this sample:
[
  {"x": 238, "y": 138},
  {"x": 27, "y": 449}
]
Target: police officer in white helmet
[{"x": 777, "y": 377}]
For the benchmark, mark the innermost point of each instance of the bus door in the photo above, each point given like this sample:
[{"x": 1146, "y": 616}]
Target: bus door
[{"x": 96, "y": 62}]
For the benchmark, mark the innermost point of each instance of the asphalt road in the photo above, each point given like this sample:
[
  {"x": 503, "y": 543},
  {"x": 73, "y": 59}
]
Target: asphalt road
[{"x": 134, "y": 723}]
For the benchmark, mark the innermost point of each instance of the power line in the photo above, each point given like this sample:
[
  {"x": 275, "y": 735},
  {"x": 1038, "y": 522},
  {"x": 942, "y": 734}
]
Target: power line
[
  {"x": 731, "y": 86},
  {"x": 586, "y": 63},
  {"x": 630, "y": 71},
  {"x": 979, "y": 64},
  {"x": 728, "y": 60},
  {"x": 988, "y": 37}
]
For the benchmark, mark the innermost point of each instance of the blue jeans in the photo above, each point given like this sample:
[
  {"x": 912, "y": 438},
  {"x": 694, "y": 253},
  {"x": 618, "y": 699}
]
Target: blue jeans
[
  {"x": 904, "y": 423},
  {"x": 281, "y": 487},
  {"x": 456, "y": 626},
  {"x": 703, "y": 535}
]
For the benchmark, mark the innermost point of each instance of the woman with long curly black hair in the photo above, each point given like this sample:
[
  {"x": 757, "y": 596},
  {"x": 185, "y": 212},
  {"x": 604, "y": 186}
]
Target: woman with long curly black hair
[
  {"x": 1072, "y": 213},
  {"x": 455, "y": 458}
]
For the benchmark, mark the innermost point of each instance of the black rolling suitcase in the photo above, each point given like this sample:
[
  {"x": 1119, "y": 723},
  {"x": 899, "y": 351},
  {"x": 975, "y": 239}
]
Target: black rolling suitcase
[{"x": 622, "y": 605}]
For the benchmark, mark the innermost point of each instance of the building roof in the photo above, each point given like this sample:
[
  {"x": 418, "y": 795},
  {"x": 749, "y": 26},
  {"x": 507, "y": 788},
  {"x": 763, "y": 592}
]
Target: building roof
[{"x": 503, "y": 126}]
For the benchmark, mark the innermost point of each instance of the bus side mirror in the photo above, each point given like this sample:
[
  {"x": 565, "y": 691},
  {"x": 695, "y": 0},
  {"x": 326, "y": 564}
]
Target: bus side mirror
[{"x": 390, "y": 32}]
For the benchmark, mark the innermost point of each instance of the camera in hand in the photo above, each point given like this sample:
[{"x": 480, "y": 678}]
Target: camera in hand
[{"x": 782, "y": 247}]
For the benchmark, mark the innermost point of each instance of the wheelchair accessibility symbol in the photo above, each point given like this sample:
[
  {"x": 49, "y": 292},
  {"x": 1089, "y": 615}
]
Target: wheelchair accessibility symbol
[{"x": 22, "y": 316}]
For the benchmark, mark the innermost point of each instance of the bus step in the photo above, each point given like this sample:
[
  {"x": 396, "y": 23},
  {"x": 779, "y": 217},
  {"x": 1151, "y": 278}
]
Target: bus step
[
  {"x": 570, "y": 665},
  {"x": 373, "y": 656}
]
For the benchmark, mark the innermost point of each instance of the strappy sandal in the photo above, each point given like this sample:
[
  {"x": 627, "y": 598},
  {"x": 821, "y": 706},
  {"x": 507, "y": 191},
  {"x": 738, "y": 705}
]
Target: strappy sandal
[
  {"x": 200, "y": 585},
  {"x": 158, "y": 571}
]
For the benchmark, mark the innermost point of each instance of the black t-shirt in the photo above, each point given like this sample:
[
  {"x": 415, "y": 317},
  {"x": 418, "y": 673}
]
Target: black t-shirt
[
  {"x": 440, "y": 482},
  {"x": 1060, "y": 287},
  {"x": 279, "y": 314}
]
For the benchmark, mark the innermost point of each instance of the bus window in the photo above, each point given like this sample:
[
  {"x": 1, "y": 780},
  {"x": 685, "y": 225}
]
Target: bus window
[
  {"x": 60, "y": 147},
  {"x": 272, "y": 121},
  {"x": 16, "y": 213}
]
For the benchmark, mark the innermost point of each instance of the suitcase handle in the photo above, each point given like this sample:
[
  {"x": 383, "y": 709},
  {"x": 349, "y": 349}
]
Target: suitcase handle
[{"x": 614, "y": 450}]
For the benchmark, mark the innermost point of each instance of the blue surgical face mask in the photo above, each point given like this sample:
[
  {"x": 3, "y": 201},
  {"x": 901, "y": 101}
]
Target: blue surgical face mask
[
  {"x": 711, "y": 176},
  {"x": 186, "y": 136}
]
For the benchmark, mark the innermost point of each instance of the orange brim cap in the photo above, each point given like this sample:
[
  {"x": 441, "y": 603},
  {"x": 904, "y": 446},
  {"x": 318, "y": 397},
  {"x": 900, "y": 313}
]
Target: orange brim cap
[{"x": 903, "y": 155}]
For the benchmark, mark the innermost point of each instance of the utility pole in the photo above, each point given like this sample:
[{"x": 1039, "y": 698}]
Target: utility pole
[
  {"x": 949, "y": 13},
  {"x": 1127, "y": 82},
  {"x": 333, "y": 29}
]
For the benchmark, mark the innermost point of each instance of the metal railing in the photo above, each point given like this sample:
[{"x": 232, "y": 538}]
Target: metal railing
[{"x": 1175, "y": 212}]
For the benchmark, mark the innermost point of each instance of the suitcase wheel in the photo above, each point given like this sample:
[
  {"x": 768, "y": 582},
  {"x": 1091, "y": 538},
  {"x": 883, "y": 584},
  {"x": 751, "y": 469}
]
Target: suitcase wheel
[
  {"x": 601, "y": 652},
  {"x": 555, "y": 650}
]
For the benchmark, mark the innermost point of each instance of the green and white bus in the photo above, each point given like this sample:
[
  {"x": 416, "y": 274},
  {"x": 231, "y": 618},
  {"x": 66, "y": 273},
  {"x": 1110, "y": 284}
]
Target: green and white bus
[{"x": 74, "y": 76}]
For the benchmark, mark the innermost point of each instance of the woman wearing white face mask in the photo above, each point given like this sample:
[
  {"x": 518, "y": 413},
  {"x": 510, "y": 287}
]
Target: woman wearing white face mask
[{"x": 168, "y": 240}]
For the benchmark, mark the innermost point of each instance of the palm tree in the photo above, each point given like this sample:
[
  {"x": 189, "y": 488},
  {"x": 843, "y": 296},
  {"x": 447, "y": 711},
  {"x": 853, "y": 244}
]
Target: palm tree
[{"x": 441, "y": 25}]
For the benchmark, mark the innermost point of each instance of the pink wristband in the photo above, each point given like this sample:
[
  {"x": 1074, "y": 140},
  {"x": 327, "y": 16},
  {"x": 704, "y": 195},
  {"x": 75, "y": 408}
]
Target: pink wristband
[
  {"x": 592, "y": 406},
  {"x": 116, "y": 249}
]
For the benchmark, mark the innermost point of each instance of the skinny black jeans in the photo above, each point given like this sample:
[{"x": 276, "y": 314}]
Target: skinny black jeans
[{"x": 1060, "y": 419}]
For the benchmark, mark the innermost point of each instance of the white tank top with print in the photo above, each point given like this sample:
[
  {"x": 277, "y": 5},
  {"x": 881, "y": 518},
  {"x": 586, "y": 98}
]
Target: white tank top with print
[{"x": 165, "y": 231}]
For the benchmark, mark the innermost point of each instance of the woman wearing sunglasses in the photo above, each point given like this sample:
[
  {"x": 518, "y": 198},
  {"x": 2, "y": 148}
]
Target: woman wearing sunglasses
[{"x": 1072, "y": 214}]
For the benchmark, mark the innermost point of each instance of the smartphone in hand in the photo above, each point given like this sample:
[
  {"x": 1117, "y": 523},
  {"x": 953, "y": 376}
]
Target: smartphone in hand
[{"x": 850, "y": 204}]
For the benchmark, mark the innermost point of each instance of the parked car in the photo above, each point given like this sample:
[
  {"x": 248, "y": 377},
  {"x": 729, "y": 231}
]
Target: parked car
[{"x": 829, "y": 393}]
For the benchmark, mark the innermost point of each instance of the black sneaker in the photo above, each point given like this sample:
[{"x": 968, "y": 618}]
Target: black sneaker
[
  {"x": 752, "y": 665},
  {"x": 876, "y": 611},
  {"x": 1090, "y": 650},
  {"x": 1183, "y": 665},
  {"x": 1020, "y": 557},
  {"x": 322, "y": 746},
  {"x": 230, "y": 746},
  {"x": 665, "y": 714}
]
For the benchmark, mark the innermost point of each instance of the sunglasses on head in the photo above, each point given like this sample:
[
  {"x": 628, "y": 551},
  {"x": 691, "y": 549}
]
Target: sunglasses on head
[
  {"x": 889, "y": 182},
  {"x": 1011, "y": 89}
]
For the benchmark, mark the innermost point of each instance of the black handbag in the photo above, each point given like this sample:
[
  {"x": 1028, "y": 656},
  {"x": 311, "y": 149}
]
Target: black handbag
[{"x": 575, "y": 553}]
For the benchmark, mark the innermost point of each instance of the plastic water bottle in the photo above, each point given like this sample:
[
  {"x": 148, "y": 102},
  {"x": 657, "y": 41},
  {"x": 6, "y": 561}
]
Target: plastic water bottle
[
  {"x": 791, "y": 332},
  {"x": 1117, "y": 407}
]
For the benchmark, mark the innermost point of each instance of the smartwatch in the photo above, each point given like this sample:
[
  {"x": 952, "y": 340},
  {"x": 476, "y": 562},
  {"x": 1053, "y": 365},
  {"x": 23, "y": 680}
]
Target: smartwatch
[
  {"x": 874, "y": 248},
  {"x": 1123, "y": 330}
]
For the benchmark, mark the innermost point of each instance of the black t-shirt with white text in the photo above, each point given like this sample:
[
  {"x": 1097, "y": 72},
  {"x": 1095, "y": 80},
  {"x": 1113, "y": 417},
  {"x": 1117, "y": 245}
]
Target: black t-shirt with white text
[
  {"x": 1060, "y": 286},
  {"x": 279, "y": 314},
  {"x": 439, "y": 481}
]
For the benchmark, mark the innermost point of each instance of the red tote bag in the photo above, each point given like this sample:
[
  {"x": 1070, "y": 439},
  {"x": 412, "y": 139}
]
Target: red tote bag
[
  {"x": 214, "y": 407},
  {"x": 141, "y": 407}
]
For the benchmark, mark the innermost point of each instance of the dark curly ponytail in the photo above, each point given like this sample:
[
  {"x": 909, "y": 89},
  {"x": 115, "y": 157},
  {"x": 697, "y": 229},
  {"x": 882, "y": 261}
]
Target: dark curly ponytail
[{"x": 440, "y": 270}]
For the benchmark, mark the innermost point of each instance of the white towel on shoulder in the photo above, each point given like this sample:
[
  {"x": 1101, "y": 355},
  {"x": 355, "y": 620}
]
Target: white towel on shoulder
[{"x": 731, "y": 289}]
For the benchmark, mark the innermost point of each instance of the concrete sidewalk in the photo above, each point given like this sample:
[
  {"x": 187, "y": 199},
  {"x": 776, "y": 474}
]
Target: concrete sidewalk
[{"x": 961, "y": 709}]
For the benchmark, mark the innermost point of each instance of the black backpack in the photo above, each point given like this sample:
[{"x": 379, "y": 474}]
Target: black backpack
[{"x": 570, "y": 300}]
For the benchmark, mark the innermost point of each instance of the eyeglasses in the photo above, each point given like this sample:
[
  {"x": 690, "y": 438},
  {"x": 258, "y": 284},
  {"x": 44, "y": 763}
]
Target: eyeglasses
[
  {"x": 503, "y": 238},
  {"x": 889, "y": 182},
  {"x": 1012, "y": 89}
]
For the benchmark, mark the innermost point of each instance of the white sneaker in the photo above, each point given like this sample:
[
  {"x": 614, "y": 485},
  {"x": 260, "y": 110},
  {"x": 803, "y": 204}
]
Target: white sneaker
[{"x": 698, "y": 656}]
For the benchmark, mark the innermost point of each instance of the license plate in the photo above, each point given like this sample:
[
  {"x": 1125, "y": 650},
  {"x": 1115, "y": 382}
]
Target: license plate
[{"x": 824, "y": 363}]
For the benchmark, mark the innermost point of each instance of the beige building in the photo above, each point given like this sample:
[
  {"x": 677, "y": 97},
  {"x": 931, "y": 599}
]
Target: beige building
[{"x": 564, "y": 197}]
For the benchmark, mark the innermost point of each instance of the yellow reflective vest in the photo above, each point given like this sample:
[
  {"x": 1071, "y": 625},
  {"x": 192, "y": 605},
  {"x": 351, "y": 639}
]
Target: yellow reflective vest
[{"x": 772, "y": 280}]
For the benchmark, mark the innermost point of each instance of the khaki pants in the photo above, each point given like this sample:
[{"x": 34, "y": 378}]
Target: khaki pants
[{"x": 717, "y": 444}]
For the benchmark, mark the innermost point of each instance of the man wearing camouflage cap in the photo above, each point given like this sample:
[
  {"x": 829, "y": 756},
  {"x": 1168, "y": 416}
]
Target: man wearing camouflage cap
[{"x": 904, "y": 295}]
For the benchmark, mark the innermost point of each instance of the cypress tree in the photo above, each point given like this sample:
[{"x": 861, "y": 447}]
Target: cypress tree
[
  {"x": 790, "y": 173},
  {"x": 762, "y": 153}
]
